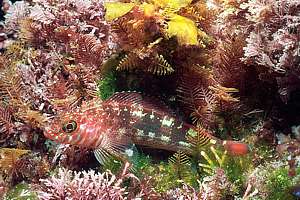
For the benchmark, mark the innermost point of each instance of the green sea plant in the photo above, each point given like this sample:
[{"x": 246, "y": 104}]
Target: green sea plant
[
  {"x": 212, "y": 160},
  {"x": 278, "y": 184},
  {"x": 22, "y": 191},
  {"x": 107, "y": 85},
  {"x": 272, "y": 181},
  {"x": 183, "y": 168},
  {"x": 113, "y": 164},
  {"x": 165, "y": 176},
  {"x": 140, "y": 163},
  {"x": 235, "y": 167}
]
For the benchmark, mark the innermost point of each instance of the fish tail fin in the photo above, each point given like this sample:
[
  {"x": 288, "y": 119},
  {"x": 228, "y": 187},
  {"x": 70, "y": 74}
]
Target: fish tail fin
[{"x": 236, "y": 148}]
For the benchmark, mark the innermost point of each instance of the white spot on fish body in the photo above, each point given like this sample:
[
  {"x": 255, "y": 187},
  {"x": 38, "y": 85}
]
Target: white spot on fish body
[
  {"x": 180, "y": 126},
  {"x": 139, "y": 113},
  {"x": 122, "y": 131},
  {"x": 185, "y": 144},
  {"x": 165, "y": 138},
  {"x": 167, "y": 122},
  {"x": 116, "y": 108},
  {"x": 140, "y": 132},
  {"x": 152, "y": 115},
  {"x": 151, "y": 134}
]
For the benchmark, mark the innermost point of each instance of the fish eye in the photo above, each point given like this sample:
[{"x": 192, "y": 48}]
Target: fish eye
[{"x": 70, "y": 126}]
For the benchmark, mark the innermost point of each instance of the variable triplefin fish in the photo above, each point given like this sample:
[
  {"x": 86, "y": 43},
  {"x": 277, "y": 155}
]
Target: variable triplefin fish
[{"x": 129, "y": 118}]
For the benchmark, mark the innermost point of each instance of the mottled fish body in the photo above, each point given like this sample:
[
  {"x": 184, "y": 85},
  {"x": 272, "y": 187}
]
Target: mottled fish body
[{"x": 128, "y": 118}]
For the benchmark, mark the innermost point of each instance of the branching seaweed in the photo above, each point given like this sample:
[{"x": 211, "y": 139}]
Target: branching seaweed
[
  {"x": 8, "y": 158},
  {"x": 180, "y": 161},
  {"x": 157, "y": 64},
  {"x": 11, "y": 86},
  {"x": 6, "y": 122},
  {"x": 200, "y": 101}
]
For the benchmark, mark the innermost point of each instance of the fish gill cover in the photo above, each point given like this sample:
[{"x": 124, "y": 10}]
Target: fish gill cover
[{"x": 150, "y": 99}]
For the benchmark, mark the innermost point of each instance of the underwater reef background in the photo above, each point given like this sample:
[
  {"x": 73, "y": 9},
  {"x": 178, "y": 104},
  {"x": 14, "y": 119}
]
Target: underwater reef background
[{"x": 228, "y": 67}]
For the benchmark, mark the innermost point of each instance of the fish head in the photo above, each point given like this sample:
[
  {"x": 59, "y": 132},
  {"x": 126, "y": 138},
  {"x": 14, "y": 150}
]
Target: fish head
[{"x": 66, "y": 126}]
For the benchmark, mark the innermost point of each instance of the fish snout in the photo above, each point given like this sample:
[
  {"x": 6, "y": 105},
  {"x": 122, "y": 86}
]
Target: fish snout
[{"x": 49, "y": 132}]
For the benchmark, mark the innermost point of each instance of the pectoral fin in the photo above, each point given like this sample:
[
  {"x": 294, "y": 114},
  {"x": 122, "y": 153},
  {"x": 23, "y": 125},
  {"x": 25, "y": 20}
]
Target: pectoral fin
[
  {"x": 102, "y": 156},
  {"x": 122, "y": 149}
]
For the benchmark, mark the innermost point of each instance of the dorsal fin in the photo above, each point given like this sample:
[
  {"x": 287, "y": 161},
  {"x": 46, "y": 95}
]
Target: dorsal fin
[
  {"x": 125, "y": 98},
  {"x": 131, "y": 98}
]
